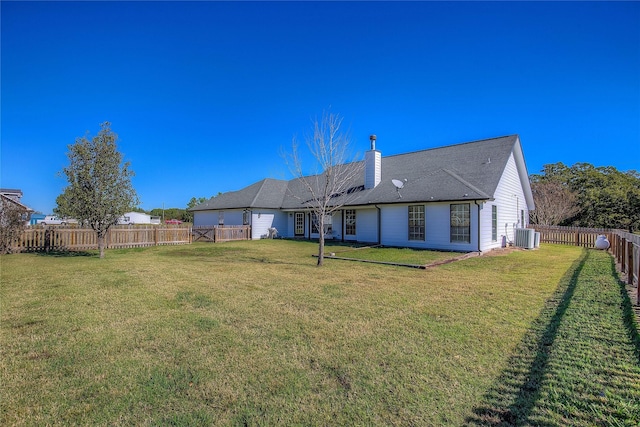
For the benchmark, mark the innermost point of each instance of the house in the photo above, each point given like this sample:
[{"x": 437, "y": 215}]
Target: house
[
  {"x": 464, "y": 197},
  {"x": 13, "y": 197},
  {"x": 131, "y": 218}
]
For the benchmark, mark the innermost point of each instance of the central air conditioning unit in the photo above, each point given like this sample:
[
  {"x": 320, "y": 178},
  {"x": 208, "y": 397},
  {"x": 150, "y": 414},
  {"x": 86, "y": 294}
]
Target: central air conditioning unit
[{"x": 525, "y": 238}]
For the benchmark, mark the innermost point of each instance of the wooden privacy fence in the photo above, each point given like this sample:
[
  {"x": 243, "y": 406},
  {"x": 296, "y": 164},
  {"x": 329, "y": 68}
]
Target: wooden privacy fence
[
  {"x": 210, "y": 233},
  {"x": 625, "y": 246},
  {"x": 575, "y": 236},
  {"x": 55, "y": 238}
]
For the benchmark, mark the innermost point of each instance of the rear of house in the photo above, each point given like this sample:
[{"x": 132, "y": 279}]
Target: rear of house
[{"x": 464, "y": 197}]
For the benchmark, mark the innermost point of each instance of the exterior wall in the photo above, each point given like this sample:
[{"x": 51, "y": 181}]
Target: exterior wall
[
  {"x": 263, "y": 219},
  {"x": 510, "y": 199},
  {"x": 395, "y": 227},
  {"x": 139, "y": 218},
  {"x": 231, "y": 217},
  {"x": 201, "y": 218},
  {"x": 337, "y": 226},
  {"x": 367, "y": 225},
  {"x": 486, "y": 243},
  {"x": 289, "y": 228},
  {"x": 135, "y": 218}
]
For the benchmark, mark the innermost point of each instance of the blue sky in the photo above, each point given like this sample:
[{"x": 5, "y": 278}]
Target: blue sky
[{"x": 205, "y": 95}]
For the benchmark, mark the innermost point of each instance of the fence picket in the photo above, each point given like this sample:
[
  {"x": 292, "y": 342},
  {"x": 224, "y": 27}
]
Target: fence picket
[{"x": 38, "y": 239}]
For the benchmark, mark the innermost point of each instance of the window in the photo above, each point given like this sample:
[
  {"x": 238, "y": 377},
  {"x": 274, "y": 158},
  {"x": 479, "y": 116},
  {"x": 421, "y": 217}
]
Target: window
[
  {"x": 221, "y": 218},
  {"x": 461, "y": 223},
  {"x": 494, "y": 223},
  {"x": 314, "y": 223},
  {"x": 416, "y": 222},
  {"x": 350, "y": 222},
  {"x": 299, "y": 224}
]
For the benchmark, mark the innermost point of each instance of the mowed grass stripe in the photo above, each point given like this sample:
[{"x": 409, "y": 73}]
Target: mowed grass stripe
[{"x": 579, "y": 364}]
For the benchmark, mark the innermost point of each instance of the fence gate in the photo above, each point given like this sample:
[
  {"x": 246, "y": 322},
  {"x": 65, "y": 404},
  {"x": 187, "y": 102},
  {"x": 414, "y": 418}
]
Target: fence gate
[{"x": 203, "y": 234}]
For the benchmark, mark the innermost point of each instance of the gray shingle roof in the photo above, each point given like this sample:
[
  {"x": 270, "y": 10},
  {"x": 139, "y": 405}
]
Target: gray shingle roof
[
  {"x": 267, "y": 193},
  {"x": 468, "y": 171}
]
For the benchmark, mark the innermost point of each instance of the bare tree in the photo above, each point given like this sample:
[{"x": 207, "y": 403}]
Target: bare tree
[
  {"x": 337, "y": 176},
  {"x": 12, "y": 221},
  {"x": 554, "y": 203}
]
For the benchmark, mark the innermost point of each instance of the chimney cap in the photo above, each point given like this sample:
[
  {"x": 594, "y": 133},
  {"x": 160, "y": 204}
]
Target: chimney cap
[{"x": 372, "y": 138}]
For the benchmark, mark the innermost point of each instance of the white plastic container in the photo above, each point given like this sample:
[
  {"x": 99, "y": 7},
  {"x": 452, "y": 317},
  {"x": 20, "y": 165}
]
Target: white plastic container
[{"x": 602, "y": 243}]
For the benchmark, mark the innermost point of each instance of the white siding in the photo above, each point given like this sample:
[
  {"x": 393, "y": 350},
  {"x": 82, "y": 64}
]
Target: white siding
[
  {"x": 139, "y": 218},
  {"x": 263, "y": 219},
  {"x": 337, "y": 225},
  {"x": 510, "y": 199},
  {"x": 135, "y": 218},
  {"x": 290, "y": 230},
  {"x": 395, "y": 228},
  {"x": 231, "y": 217},
  {"x": 367, "y": 225},
  {"x": 395, "y": 225},
  {"x": 201, "y": 218},
  {"x": 486, "y": 225},
  {"x": 372, "y": 168}
]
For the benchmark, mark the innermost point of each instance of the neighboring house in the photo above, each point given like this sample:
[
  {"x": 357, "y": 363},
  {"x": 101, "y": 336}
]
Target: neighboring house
[
  {"x": 14, "y": 196},
  {"x": 138, "y": 218},
  {"x": 464, "y": 197}
]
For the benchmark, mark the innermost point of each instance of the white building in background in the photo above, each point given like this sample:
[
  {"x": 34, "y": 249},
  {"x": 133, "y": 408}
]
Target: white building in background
[{"x": 132, "y": 218}]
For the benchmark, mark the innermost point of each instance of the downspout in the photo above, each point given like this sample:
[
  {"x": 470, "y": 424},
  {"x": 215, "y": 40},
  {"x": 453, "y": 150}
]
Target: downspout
[
  {"x": 379, "y": 224},
  {"x": 476, "y": 202}
]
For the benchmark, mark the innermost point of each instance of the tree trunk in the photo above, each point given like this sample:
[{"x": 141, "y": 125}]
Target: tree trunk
[
  {"x": 321, "y": 241},
  {"x": 101, "y": 245}
]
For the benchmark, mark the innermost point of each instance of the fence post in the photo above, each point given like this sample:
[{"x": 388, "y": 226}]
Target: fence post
[
  {"x": 638, "y": 276},
  {"x": 621, "y": 252},
  {"x": 630, "y": 262}
]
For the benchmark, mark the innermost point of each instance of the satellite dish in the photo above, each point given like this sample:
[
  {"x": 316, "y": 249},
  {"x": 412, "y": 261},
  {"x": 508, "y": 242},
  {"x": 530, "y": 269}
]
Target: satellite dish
[{"x": 398, "y": 184}]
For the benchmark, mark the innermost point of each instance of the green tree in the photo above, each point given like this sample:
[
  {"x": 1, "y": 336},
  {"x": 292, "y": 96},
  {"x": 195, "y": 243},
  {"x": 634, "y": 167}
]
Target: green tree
[
  {"x": 606, "y": 196},
  {"x": 100, "y": 189}
]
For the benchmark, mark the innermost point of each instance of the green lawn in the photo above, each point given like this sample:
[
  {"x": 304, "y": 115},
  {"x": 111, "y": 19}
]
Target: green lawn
[
  {"x": 253, "y": 333},
  {"x": 390, "y": 255}
]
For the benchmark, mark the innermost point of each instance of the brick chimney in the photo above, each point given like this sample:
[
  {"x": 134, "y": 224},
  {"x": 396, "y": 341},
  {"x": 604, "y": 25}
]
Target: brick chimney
[{"x": 372, "y": 165}]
